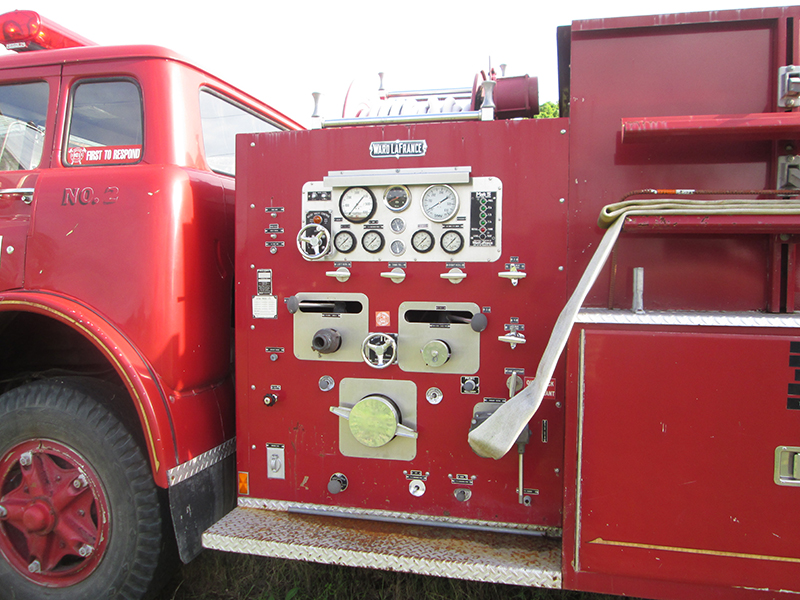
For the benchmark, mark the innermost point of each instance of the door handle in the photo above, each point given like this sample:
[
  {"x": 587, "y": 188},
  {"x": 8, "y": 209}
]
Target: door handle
[
  {"x": 787, "y": 465},
  {"x": 26, "y": 193}
]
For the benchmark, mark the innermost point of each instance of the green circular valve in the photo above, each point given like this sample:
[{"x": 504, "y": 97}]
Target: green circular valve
[
  {"x": 374, "y": 420},
  {"x": 435, "y": 353}
]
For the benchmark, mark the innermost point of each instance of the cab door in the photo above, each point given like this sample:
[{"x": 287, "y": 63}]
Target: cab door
[{"x": 28, "y": 101}]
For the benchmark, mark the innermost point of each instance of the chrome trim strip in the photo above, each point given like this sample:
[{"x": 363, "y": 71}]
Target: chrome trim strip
[
  {"x": 689, "y": 318},
  {"x": 201, "y": 462},
  {"x": 433, "y": 93},
  {"x": 17, "y": 191},
  {"x": 576, "y": 560},
  {"x": 419, "y": 176},
  {"x": 395, "y": 516},
  {"x": 467, "y": 115}
]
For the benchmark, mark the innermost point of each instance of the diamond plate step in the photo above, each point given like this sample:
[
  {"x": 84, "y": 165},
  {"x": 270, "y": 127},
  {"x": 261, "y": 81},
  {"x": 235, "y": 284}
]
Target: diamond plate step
[{"x": 457, "y": 553}]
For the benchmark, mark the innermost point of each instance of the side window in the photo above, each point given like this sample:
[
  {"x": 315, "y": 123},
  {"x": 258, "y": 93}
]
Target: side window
[
  {"x": 23, "y": 115},
  {"x": 221, "y": 121},
  {"x": 105, "y": 124}
]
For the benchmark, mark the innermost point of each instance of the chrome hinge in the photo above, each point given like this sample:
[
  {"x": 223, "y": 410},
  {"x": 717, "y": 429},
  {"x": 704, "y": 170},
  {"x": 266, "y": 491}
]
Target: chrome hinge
[
  {"x": 789, "y": 172},
  {"x": 789, "y": 86}
]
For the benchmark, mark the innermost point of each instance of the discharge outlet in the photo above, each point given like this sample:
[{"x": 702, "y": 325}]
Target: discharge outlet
[{"x": 326, "y": 341}]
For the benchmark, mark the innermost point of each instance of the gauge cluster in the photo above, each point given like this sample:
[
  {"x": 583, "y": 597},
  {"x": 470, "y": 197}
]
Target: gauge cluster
[{"x": 407, "y": 222}]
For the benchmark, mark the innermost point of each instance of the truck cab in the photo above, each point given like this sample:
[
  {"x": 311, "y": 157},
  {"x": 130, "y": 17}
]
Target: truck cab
[{"x": 116, "y": 280}]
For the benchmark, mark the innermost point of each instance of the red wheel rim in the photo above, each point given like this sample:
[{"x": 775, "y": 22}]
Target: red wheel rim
[{"x": 54, "y": 517}]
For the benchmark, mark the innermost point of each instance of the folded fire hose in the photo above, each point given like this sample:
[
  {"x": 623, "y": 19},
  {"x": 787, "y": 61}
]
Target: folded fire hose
[{"x": 495, "y": 436}]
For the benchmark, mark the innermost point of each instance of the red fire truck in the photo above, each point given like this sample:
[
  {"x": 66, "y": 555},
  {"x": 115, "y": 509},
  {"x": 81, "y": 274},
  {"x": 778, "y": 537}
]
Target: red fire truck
[{"x": 468, "y": 343}]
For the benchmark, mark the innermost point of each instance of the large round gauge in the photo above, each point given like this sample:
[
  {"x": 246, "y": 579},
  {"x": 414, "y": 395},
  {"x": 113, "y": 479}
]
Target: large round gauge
[
  {"x": 357, "y": 204},
  {"x": 440, "y": 203},
  {"x": 344, "y": 241},
  {"x": 452, "y": 242},
  {"x": 372, "y": 241},
  {"x": 422, "y": 241},
  {"x": 397, "y": 198}
]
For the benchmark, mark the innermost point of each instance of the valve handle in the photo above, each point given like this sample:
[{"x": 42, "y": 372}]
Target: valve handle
[
  {"x": 379, "y": 350},
  {"x": 313, "y": 241}
]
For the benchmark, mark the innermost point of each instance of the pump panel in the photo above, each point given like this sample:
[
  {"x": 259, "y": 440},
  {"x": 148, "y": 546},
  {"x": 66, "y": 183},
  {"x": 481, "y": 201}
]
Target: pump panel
[{"x": 411, "y": 297}]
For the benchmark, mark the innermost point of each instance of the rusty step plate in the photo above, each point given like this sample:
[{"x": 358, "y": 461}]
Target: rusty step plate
[{"x": 458, "y": 553}]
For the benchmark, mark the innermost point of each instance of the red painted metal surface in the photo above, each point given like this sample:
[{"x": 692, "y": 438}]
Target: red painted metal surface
[
  {"x": 673, "y": 66},
  {"x": 764, "y": 126},
  {"x": 529, "y": 158}
]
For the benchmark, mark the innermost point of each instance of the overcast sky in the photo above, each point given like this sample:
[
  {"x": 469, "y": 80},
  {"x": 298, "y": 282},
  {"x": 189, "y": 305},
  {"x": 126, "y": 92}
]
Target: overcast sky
[{"x": 281, "y": 52}]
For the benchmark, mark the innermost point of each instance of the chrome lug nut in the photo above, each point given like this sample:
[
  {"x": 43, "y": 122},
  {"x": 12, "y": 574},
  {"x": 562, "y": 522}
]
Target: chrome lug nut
[
  {"x": 35, "y": 567},
  {"x": 3, "y": 512},
  {"x": 80, "y": 482},
  {"x": 85, "y": 550},
  {"x": 26, "y": 460}
]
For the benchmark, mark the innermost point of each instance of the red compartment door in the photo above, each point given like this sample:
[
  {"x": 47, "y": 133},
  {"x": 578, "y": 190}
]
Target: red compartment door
[{"x": 676, "y": 434}]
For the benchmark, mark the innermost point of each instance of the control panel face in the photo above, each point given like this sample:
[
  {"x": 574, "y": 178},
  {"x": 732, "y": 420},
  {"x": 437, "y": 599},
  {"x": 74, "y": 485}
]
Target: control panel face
[
  {"x": 386, "y": 307},
  {"x": 386, "y": 216}
]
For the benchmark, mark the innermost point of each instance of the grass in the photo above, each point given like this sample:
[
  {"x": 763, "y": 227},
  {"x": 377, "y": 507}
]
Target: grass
[{"x": 223, "y": 576}]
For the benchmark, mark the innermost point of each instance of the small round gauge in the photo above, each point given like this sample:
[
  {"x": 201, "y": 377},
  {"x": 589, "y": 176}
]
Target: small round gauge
[
  {"x": 422, "y": 241},
  {"x": 397, "y": 247},
  {"x": 357, "y": 204},
  {"x": 397, "y": 197},
  {"x": 344, "y": 241},
  {"x": 452, "y": 242},
  {"x": 372, "y": 241},
  {"x": 398, "y": 225},
  {"x": 440, "y": 203}
]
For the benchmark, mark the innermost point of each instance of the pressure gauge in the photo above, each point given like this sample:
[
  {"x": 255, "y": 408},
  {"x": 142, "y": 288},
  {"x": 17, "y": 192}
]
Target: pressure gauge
[
  {"x": 372, "y": 241},
  {"x": 344, "y": 241},
  {"x": 440, "y": 203},
  {"x": 452, "y": 242},
  {"x": 397, "y": 247},
  {"x": 398, "y": 225},
  {"x": 357, "y": 204},
  {"x": 397, "y": 198},
  {"x": 422, "y": 241}
]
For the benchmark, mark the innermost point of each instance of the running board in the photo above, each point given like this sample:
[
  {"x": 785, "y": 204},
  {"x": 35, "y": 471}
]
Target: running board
[{"x": 456, "y": 553}]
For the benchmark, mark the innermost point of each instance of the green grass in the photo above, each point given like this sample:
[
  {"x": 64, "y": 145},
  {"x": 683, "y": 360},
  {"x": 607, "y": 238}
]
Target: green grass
[{"x": 223, "y": 576}]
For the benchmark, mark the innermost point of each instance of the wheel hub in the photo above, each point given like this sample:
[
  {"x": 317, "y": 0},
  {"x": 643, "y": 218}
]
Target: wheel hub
[
  {"x": 54, "y": 525},
  {"x": 39, "y": 517}
]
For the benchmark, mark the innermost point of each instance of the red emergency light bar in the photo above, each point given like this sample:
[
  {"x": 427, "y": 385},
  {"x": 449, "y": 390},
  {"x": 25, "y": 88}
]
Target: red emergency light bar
[{"x": 24, "y": 30}]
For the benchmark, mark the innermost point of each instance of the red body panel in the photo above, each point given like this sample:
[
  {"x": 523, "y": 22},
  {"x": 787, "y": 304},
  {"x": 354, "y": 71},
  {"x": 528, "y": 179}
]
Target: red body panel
[
  {"x": 145, "y": 251},
  {"x": 672, "y": 432}
]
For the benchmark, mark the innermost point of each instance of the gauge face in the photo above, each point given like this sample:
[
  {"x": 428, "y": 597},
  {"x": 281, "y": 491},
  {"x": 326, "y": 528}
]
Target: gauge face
[
  {"x": 357, "y": 204},
  {"x": 344, "y": 241},
  {"x": 397, "y": 247},
  {"x": 372, "y": 241},
  {"x": 440, "y": 203},
  {"x": 452, "y": 242},
  {"x": 397, "y": 198},
  {"x": 398, "y": 225},
  {"x": 422, "y": 241}
]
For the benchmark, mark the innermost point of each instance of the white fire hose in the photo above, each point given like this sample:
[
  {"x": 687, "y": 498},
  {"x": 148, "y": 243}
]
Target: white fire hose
[{"x": 496, "y": 436}]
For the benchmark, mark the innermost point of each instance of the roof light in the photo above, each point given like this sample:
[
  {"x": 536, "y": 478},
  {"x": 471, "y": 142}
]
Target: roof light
[{"x": 23, "y": 30}]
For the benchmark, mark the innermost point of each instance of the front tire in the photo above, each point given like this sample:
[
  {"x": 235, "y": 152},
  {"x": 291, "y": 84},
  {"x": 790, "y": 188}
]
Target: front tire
[{"x": 79, "y": 512}]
